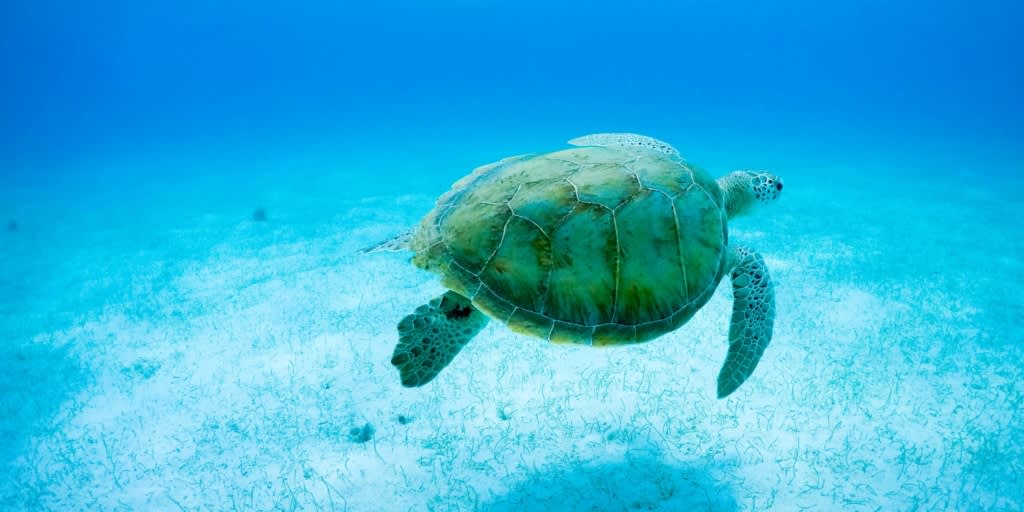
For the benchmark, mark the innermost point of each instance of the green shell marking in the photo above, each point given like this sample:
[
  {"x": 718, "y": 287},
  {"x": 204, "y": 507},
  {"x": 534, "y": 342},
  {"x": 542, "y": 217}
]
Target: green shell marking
[{"x": 592, "y": 245}]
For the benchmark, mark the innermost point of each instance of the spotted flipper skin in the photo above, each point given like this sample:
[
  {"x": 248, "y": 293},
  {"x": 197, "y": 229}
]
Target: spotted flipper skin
[
  {"x": 395, "y": 244},
  {"x": 430, "y": 338},
  {"x": 753, "y": 317},
  {"x": 625, "y": 140}
]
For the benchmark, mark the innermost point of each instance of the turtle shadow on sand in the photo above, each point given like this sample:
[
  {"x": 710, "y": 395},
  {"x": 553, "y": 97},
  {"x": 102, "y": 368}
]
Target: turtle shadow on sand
[{"x": 633, "y": 483}]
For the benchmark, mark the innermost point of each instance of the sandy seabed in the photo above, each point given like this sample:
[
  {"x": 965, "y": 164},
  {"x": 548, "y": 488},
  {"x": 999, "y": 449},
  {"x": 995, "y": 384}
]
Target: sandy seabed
[{"x": 191, "y": 358}]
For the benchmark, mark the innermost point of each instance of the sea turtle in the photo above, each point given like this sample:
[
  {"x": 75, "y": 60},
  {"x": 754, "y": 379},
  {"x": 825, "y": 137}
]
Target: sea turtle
[{"x": 615, "y": 241}]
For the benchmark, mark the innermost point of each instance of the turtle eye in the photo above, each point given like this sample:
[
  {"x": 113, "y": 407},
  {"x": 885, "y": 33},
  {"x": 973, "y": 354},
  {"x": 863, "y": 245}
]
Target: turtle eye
[{"x": 778, "y": 185}]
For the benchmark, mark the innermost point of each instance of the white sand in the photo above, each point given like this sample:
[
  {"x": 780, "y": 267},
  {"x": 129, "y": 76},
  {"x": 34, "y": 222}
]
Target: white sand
[{"x": 191, "y": 359}]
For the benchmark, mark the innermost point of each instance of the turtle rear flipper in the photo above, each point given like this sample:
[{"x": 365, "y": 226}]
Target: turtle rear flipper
[
  {"x": 396, "y": 243},
  {"x": 431, "y": 337},
  {"x": 753, "y": 316}
]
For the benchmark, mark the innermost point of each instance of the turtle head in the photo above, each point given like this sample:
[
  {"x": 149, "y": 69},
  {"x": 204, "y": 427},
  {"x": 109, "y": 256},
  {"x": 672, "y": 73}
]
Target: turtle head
[
  {"x": 767, "y": 186},
  {"x": 745, "y": 190}
]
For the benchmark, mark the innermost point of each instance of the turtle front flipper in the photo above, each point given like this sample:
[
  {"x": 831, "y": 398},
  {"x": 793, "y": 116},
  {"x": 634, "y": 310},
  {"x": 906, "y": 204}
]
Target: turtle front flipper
[
  {"x": 753, "y": 316},
  {"x": 625, "y": 140},
  {"x": 431, "y": 337}
]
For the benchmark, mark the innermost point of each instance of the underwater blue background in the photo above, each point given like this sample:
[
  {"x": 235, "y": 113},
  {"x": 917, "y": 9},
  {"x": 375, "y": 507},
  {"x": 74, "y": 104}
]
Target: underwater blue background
[{"x": 161, "y": 350}]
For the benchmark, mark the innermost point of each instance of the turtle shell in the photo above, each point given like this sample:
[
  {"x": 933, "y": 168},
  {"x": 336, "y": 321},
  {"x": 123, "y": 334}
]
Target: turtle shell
[{"x": 590, "y": 245}]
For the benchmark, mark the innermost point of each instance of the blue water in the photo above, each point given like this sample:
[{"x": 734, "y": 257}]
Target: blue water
[{"x": 160, "y": 349}]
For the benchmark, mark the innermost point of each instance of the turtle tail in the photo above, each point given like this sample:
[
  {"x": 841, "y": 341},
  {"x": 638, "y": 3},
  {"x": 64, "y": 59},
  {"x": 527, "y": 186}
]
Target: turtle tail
[{"x": 397, "y": 243}]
